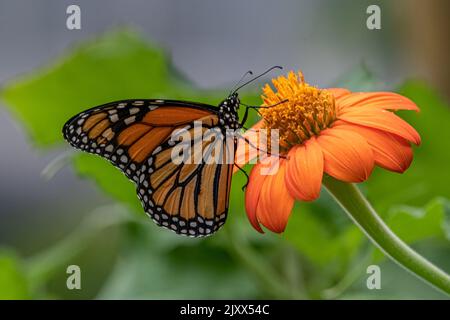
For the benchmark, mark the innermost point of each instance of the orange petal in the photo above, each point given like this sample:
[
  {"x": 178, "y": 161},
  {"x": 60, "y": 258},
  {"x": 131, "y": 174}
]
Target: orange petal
[
  {"x": 347, "y": 155},
  {"x": 304, "y": 171},
  {"x": 246, "y": 151},
  {"x": 390, "y": 151},
  {"x": 339, "y": 92},
  {"x": 383, "y": 120},
  {"x": 252, "y": 195},
  {"x": 275, "y": 203},
  {"x": 378, "y": 100}
]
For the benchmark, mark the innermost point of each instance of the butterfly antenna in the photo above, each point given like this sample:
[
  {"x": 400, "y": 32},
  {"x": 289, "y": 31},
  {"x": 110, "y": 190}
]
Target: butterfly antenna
[
  {"x": 240, "y": 80},
  {"x": 257, "y": 77}
]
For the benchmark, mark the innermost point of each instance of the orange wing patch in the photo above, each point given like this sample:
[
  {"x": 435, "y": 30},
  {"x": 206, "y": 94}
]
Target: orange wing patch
[
  {"x": 174, "y": 116},
  {"x": 133, "y": 133},
  {"x": 188, "y": 204},
  {"x": 206, "y": 196},
  {"x": 224, "y": 187},
  {"x": 98, "y": 129},
  {"x": 142, "y": 148},
  {"x": 172, "y": 202},
  {"x": 93, "y": 120}
]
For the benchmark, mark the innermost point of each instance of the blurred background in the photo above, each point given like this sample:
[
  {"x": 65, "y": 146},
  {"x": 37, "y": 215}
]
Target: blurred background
[{"x": 58, "y": 208}]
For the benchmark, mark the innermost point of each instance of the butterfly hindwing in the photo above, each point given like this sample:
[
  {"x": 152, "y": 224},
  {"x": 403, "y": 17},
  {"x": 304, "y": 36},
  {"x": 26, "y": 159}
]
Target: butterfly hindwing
[{"x": 189, "y": 198}]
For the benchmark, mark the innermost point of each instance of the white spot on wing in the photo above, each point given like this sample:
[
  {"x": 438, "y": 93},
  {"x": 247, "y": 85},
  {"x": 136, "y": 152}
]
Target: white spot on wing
[
  {"x": 157, "y": 150},
  {"x": 130, "y": 120},
  {"x": 134, "y": 111},
  {"x": 114, "y": 118}
]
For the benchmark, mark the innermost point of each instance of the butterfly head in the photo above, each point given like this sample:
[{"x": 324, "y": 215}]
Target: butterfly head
[{"x": 233, "y": 100}]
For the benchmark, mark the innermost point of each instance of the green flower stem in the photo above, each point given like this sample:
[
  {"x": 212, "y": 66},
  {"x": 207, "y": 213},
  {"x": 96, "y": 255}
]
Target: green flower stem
[{"x": 363, "y": 214}]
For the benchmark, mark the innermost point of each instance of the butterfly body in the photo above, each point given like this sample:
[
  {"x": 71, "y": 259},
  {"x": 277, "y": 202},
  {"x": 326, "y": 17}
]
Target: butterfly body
[
  {"x": 135, "y": 136},
  {"x": 228, "y": 113}
]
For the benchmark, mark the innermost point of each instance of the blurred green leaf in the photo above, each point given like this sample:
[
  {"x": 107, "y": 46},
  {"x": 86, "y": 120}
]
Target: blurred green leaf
[
  {"x": 108, "y": 178},
  {"x": 152, "y": 267},
  {"x": 412, "y": 224},
  {"x": 54, "y": 259},
  {"x": 13, "y": 280},
  {"x": 319, "y": 239},
  {"x": 396, "y": 283},
  {"x": 117, "y": 66}
]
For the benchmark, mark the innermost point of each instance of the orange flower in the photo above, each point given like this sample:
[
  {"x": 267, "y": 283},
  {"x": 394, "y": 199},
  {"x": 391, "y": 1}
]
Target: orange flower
[{"x": 332, "y": 131}]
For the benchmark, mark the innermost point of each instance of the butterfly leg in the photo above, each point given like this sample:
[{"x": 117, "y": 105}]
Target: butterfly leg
[
  {"x": 261, "y": 150},
  {"x": 245, "y": 117},
  {"x": 247, "y": 108}
]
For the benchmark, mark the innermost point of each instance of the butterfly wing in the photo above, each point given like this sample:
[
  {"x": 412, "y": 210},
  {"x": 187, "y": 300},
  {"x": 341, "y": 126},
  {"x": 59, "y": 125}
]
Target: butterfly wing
[
  {"x": 192, "y": 197},
  {"x": 117, "y": 130},
  {"x": 136, "y": 136}
]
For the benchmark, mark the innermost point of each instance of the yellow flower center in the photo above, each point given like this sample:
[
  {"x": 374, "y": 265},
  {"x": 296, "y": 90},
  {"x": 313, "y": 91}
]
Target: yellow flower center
[{"x": 307, "y": 111}]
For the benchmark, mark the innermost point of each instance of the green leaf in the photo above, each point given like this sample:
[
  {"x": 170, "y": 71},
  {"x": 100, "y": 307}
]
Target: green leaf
[
  {"x": 117, "y": 66},
  {"x": 413, "y": 224},
  {"x": 13, "y": 280},
  {"x": 161, "y": 265},
  {"x": 108, "y": 178}
]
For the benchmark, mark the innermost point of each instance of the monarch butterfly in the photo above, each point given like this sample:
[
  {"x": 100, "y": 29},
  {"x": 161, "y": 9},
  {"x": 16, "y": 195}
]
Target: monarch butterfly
[{"x": 137, "y": 137}]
